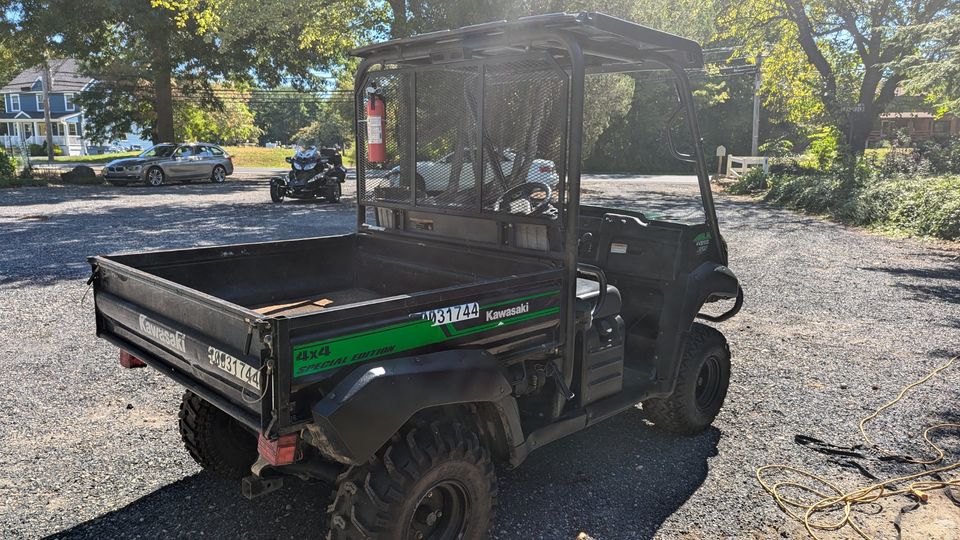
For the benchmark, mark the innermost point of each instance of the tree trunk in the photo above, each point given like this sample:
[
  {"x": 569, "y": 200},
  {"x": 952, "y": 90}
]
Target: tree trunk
[{"x": 163, "y": 92}]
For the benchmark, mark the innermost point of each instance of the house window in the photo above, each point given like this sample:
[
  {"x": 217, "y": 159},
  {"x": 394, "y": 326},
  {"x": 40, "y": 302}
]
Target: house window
[
  {"x": 72, "y": 129},
  {"x": 4, "y": 130},
  {"x": 39, "y": 102},
  {"x": 14, "y": 102},
  {"x": 68, "y": 102}
]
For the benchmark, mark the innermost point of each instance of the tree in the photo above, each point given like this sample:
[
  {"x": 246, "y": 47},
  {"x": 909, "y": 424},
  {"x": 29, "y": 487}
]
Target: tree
[
  {"x": 828, "y": 54},
  {"x": 229, "y": 123},
  {"x": 148, "y": 53},
  {"x": 281, "y": 112},
  {"x": 934, "y": 69}
]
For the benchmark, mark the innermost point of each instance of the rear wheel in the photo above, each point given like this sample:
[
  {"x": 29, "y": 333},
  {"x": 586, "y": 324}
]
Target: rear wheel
[
  {"x": 431, "y": 482},
  {"x": 701, "y": 384},
  {"x": 215, "y": 440},
  {"x": 155, "y": 176},
  {"x": 219, "y": 175}
]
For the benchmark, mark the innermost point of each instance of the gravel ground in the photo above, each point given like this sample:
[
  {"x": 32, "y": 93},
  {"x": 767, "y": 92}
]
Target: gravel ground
[{"x": 836, "y": 321}]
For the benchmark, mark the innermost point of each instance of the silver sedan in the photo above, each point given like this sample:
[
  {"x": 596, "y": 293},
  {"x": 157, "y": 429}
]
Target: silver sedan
[{"x": 168, "y": 162}]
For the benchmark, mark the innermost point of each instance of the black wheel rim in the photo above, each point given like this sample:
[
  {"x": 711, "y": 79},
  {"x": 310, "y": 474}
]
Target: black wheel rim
[
  {"x": 708, "y": 384},
  {"x": 441, "y": 513}
]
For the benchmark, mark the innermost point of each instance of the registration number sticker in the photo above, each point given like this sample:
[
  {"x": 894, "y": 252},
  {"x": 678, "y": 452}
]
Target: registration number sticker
[
  {"x": 452, "y": 314},
  {"x": 246, "y": 373}
]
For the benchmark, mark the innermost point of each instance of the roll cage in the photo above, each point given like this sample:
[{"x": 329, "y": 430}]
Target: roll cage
[{"x": 530, "y": 72}]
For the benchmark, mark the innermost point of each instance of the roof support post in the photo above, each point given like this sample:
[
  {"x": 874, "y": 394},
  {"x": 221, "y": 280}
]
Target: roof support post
[{"x": 571, "y": 216}]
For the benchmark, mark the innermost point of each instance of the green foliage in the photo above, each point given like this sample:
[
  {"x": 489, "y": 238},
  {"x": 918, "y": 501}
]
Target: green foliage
[
  {"x": 230, "y": 123},
  {"x": 330, "y": 128},
  {"x": 8, "y": 166},
  {"x": 754, "y": 181},
  {"x": 934, "y": 66},
  {"x": 779, "y": 147},
  {"x": 825, "y": 147},
  {"x": 40, "y": 150}
]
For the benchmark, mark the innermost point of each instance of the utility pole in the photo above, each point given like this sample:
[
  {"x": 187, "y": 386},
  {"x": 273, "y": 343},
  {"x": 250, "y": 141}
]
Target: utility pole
[
  {"x": 755, "y": 140},
  {"x": 46, "y": 107}
]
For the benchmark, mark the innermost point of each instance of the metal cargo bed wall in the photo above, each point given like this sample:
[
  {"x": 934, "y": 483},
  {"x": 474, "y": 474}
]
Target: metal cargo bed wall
[{"x": 458, "y": 136}]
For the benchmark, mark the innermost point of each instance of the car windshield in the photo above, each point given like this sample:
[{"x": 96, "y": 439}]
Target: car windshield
[{"x": 160, "y": 150}]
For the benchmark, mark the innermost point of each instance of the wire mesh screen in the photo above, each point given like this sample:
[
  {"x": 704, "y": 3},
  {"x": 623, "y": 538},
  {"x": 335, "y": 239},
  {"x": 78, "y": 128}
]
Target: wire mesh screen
[
  {"x": 383, "y": 179},
  {"x": 524, "y": 116},
  {"x": 518, "y": 153},
  {"x": 447, "y": 137}
]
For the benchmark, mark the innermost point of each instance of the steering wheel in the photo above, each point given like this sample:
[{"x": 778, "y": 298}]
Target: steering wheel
[{"x": 526, "y": 191}]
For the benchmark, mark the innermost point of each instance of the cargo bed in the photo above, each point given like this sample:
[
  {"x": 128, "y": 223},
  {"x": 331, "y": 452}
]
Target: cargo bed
[{"x": 214, "y": 318}]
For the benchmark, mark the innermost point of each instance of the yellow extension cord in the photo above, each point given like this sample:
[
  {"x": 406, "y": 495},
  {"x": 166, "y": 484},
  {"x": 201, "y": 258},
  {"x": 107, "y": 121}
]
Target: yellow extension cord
[{"x": 846, "y": 501}]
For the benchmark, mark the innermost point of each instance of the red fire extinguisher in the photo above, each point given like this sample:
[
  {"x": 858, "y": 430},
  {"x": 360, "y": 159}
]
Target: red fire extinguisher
[{"x": 376, "y": 119}]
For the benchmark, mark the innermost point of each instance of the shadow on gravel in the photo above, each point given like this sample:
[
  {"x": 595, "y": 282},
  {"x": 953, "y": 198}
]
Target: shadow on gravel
[
  {"x": 619, "y": 479},
  {"x": 55, "y": 195},
  {"x": 942, "y": 283},
  {"x": 39, "y": 252}
]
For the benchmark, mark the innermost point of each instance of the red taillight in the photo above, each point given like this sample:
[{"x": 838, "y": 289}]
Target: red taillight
[
  {"x": 546, "y": 169},
  {"x": 282, "y": 451},
  {"x": 128, "y": 360}
]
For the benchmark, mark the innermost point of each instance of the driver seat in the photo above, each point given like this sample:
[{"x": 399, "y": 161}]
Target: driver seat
[{"x": 588, "y": 292}]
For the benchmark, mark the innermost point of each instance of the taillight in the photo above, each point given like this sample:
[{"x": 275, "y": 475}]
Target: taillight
[
  {"x": 128, "y": 360},
  {"x": 546, "y": 169},
  {"x": 281, "y": 451}
]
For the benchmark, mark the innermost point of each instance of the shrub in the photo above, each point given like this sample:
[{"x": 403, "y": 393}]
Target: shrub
[
  {"x": 754, "y": 181},
  {"x": 40, "y": 150},
  {"x": 8, "y": 167},
  {"x": 825, "y": 147}
]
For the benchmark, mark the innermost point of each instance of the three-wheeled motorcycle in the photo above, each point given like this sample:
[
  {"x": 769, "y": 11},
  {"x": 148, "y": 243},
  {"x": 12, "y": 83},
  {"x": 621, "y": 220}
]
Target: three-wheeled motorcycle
[{"x": 314, "y": 173}]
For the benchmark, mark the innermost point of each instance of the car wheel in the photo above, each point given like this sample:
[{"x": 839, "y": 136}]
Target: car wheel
[
  {"x": 155, "y": 176},
  {"x": 219, "y": 175}
]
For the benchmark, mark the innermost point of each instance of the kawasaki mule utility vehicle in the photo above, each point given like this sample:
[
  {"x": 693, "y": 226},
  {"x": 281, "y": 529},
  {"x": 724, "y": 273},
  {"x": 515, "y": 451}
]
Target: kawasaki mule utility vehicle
[{"x": 478, "y": 312}]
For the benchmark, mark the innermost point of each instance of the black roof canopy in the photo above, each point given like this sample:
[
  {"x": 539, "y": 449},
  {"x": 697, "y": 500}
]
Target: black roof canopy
[{"x": 609, "y": 43}]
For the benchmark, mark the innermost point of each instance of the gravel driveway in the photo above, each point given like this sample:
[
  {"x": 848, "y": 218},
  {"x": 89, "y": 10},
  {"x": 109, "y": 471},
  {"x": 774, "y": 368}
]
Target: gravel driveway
[{"x": 836, "y": 320}]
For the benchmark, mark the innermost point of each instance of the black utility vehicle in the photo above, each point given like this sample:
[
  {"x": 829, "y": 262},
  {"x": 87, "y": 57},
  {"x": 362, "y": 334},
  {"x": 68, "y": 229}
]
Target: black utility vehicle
[
  {"x": 474, "y": 315},
  {"x": 314, "y": 173}
]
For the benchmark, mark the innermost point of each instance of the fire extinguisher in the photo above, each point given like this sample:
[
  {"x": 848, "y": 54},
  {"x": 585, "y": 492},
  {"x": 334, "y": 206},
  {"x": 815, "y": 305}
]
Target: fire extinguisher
[{"x": 376, "y": 118}]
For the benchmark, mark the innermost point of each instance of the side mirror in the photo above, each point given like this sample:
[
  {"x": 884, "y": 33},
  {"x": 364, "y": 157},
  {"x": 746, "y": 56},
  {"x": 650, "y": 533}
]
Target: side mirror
[{"x": 289, "y": 159}]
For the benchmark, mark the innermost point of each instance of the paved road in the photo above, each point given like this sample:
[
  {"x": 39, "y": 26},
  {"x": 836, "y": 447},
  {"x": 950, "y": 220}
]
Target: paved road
[{"x": 835, "y": 321}]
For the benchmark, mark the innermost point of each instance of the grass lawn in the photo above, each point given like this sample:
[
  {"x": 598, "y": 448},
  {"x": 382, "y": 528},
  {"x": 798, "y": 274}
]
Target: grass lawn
[
  {"x": 95, "y": 158},
  {"x": 243, "y": 156}
]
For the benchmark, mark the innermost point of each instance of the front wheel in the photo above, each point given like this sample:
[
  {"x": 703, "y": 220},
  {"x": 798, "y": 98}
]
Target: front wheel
[
  {"x": 333, "y": 195},
  {"x": 155, "y": 176},
  {"x": 433, "y": 481},
  {"x": 277, "y": 192},
  {"x": 702, "y": 384}
]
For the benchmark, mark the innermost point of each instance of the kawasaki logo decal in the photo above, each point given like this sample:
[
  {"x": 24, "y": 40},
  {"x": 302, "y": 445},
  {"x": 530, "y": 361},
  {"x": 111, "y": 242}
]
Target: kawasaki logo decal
[
  {"x": 702, "y": 242},
  {"x": 342, "y": 351},
  {"x": 163, "y": 335}
]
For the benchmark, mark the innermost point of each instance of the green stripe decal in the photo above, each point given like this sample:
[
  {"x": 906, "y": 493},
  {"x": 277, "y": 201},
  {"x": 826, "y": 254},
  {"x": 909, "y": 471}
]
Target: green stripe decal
[{"x": 334, "y": 353}]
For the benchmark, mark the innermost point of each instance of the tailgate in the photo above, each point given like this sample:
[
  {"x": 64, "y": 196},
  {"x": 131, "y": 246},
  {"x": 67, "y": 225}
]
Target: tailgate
[{"x": 216, "y": 349}]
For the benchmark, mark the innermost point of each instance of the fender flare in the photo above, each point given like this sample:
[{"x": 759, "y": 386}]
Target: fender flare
[
  {"x": 710, "y": 280},
  {"x": 375, "y": 400}
]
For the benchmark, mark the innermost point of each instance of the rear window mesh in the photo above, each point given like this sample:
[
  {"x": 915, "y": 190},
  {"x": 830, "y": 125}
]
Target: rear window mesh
[{"x": 502, "y": 123}]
